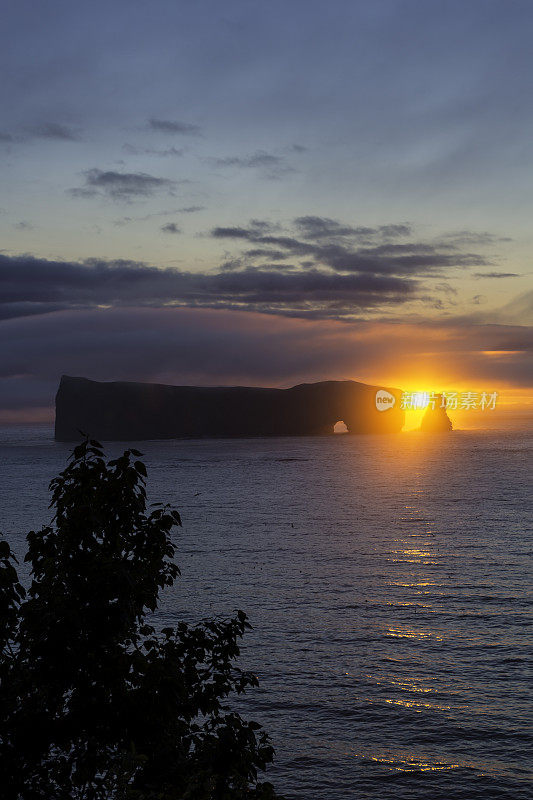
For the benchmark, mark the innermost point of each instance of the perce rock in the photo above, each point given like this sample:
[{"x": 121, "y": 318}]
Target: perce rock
[{"x": 132, "y": 411}]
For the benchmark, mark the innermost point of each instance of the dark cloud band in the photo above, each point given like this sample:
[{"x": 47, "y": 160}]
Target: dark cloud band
[{"x": 25, "y": 281}]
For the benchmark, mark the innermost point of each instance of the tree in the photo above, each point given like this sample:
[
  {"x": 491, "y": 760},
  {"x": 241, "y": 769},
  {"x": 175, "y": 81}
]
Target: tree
[{"x": 95, "y": 702}]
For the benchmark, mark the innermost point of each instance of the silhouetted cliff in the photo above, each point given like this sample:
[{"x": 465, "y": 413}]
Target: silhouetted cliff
[
  {"x": 436, "y": 420},
  {"x": 130, "y": 411}
]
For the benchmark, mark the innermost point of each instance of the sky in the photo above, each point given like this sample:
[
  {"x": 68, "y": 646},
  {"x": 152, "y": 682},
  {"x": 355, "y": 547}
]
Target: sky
[{"x": 266, "y": 193}]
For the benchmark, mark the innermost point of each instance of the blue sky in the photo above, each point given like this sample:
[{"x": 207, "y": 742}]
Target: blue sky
[{"x": 349, "y": 161}]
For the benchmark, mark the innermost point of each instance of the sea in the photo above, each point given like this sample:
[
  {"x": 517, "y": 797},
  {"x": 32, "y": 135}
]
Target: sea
[{"x": 387, "y": 580}]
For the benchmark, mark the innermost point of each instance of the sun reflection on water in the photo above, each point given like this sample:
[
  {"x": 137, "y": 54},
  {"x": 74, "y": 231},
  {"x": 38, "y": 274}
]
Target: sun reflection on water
[
  {"x": 407, "y": 633},
  {"x": 418, "y": 707},
  {"x": 414, "y": 558},
  {"x": 409, "y": 764}
]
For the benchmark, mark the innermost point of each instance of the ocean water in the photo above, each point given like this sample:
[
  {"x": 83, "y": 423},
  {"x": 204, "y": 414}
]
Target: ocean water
[{"x": 386, "y": 579}]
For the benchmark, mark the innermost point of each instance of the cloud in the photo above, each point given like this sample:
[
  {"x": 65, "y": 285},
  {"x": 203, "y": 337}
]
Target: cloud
[
  {"x": 313, "y": 227},
  {"x": 45, "y": 130},
  {"x": 23, "y": 226},
  {"x": 273, "y": 166},
  {"x": 174, "y": 127},
  {"x": 519, "y": 308},
  {"x": 233, "y": 233},
  {"x": 255, "y": 228},
  {"x": 53, "y": 130},
  {"x": 314, "y": 268},
  {"x": 122, "y": 186},
  {"x": 150, "y": 151},
  {"x": 27, "y": 282},
  {"x": 258, "y": 159},
  {"x": 496, "y": 275},
  {"x": 170, "y": 227},
  {"x": 82, "y": 194},
  {"x": 275, "y": 255},
  {"x": 327, "y": 243},
  {"x": 121, "y": 221},
  {"x": 474, "y": 238}
]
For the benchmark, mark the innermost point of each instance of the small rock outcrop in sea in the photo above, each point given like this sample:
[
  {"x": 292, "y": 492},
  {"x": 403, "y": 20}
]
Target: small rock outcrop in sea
[
  {"x": 129, "y": 411},
  {"x": 436, "y": 420}
]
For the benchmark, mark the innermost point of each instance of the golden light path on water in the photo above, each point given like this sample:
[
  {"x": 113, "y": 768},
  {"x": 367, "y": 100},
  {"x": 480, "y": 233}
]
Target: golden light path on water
[
  {"x": 418, "y": 589},
  {"x": 415, "y": 550}
]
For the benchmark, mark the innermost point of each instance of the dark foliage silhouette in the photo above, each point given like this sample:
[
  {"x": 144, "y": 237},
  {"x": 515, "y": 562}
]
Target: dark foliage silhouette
[{"x": 96, "y": 703}]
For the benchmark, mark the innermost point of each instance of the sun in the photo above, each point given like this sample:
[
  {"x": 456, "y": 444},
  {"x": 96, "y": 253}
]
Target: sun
[
  {"x": 419, "y": 401},
  {"x": 413, "y": 418}
]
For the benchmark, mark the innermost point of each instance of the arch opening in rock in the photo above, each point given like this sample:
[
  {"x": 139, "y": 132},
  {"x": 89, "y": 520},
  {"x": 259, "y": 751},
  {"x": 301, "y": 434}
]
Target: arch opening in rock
[{"x": 340, "y": 427}]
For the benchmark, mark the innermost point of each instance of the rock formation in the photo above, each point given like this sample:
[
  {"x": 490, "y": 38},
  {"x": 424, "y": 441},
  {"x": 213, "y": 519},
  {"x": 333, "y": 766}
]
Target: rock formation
[
  {"x": 133, "y": 411},
  {"x": 436, "y": 420}
]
